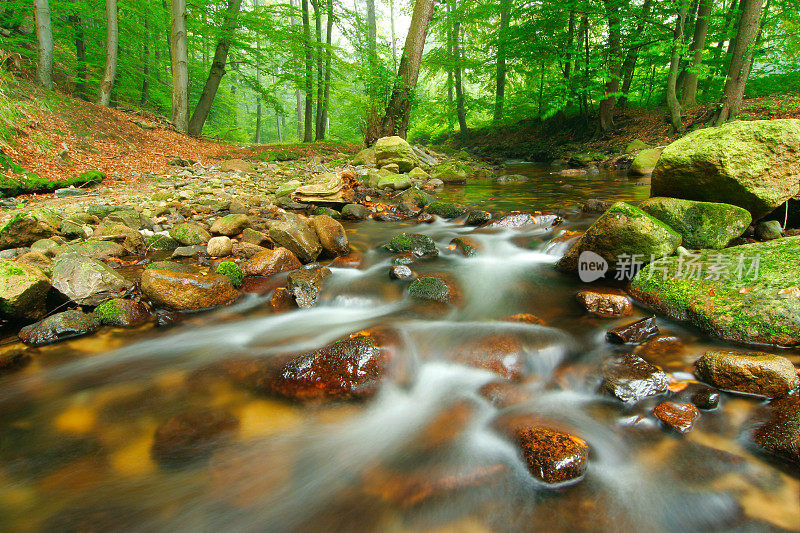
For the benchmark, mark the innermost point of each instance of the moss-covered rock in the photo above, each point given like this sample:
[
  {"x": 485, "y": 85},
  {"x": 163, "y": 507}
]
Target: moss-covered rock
[
  {"x": 419, "y": 245},
  {"x": 452, "y": 172},
  {"x": 586, "y": 158},
  {"x": 32, "y": 183},
  {"x": 700, "y": 224},
  {"x": 162, "y": 242},
  {"x": 189, "y": 234},
  {"x": 122, "y": 313},
  {"x": 365, "y": 157},
  {"x": 87, "y": 281},
  {"x": 23, "y": 290},
  {"x": 232, "y": 271},
  {"x": 621, "y": 231},
  {"x": 395, "y": 150},
  {"x": 26, "y": 227},
  {"x": 635, "y": 145},
  {"x": 170, "y": 266},
  {"x": 446, "y": 209},
  {"x": 287, "y": 188},
  {"x": 397, "y": 182},
  {"x": 430, "y": 288},
  {"x": 100, "y": 250},
  {"x": 751, "y": 302},
  {"x": 644, "y": 162},
  {"x": 752, "y": 164},
  {"x": 230, "y": 225}
]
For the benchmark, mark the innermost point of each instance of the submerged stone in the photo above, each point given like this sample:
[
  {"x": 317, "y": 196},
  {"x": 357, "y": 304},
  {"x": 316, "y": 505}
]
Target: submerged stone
[
  {"x": 430, "y": 288},
  {"x": 191, "y": 436},
  {"x": 679, "y": 417},
  {"x": 779, "y": 432}
]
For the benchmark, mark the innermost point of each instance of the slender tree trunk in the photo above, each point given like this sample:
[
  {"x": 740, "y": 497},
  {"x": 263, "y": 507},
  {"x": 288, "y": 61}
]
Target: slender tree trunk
[
  {"x": 80, "y": 56},
  {"x": 44, "y": 33},
  {"x": 395, "y": 120},
  {"x": 112, "y": 45},
  {"x": 180, "y": 67},
  {"x": 725, "y": 36},
  {"x": 146, "y": 64},
  {"x": 372, "y": 32},
  {"x": 632, "y": 56},
  {"x": 217, "y": 69},
  {"x": 570, "y": 44},
  {"x": 500, "y": 89},
  {"x": 673, "y": 104},
  {"x": 689, "y": 93},
  {"x": 298, "y": 95},
  {"x": 614, "y": 57},
  {"x": 326, "y": 95},
  {"x": 278, "y": 123},
  {"x": 741, "y": 61},
  {"x": 320, "y": 71},
  {"x": 460, "y": 110},
  {"x": 257, "y": 135},
  {"x": 583, "y": 99},
  {"x": 394, "y": 38},
  {"x": 308, "y": 130}
]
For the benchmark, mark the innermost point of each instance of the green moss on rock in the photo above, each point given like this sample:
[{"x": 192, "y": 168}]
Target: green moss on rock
[
  {"x": 446, "y": 209},
  {"x": 420, "y": 245},
  {"x": 232, "y": 271},
  {"x": 430, "y": 288},
  {"x": 700, "y": 224}
]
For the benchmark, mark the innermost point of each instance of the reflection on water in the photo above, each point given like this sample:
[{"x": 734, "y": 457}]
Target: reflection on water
[
  {"x": 78, "y": 424},
  {"x": 546, "y": 190}
]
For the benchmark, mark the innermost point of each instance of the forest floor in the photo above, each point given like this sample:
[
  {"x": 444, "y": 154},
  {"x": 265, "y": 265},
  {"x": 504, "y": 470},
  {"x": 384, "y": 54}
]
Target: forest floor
[{"x": 556, "y": 138}]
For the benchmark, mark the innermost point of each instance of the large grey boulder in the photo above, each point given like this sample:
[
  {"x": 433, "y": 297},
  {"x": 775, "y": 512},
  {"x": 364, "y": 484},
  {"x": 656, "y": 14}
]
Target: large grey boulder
[
  {"x": 87, "y": 281},
  {"x": 23, "y": 290},
  {"x": 396, "y": 150}
]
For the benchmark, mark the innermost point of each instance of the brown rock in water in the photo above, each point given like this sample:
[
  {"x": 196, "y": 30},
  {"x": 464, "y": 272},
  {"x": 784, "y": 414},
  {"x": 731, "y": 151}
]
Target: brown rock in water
[
  {"x": 524, "y": 221},
  {"x": 753, "y": 372},
  {"x": 191, "y": 436},
  {"x": 502, "y": 354},
  {"x": 634, "y": 332},
  {"x": 122, "y": 313},
  {"x": 606, "y": 303},
  {"x": 552, "y": 456},
  {"x": 630, "y": 378},
  {"x": 59, "y": 327},
  {"x": 402, "y": 273},
  {"x": 677, "y": 416},
  {"x": 305, "y": 285},
  {"x": 246, "y": 250},
  {"x": 351, "y": 260},
  {"x": 281, "y": 300},
  {"x": 184, "y": 292},
  {"x": 705, "y": 397},
  {"x": 331, "y": 235},
  {"x": 524, "y": 318},
  {"x": 504, "y": 394},
  {"x": 660, "y": 347},
  {"x": 295, "y": 234},
  {"x": 779, "y": 432},
  {"x": 468, "y": 247},
  {"x": 269, "y": 262}
]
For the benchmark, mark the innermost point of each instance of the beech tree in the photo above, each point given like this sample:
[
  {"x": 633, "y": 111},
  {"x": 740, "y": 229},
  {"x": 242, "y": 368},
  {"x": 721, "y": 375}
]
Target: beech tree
[
  {"x": 180, "y": 67},
  {"x": 112, "y": 47},
  {"x": 44, "y": 32}
]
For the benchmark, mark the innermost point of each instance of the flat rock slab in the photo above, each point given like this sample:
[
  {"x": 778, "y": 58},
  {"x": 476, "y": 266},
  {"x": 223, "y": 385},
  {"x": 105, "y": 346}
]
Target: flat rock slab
[
  {"x": 751, "y": 302},
  {"x": 754, "y": 373}
]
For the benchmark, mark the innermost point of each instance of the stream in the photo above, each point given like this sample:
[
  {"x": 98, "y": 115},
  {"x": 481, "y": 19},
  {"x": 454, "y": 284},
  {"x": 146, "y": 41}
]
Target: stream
[{"x": 77, "y": 424}]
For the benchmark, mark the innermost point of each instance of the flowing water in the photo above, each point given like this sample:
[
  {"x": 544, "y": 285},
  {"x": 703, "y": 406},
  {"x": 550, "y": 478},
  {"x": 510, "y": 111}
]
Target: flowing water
[{"x": 77, "y": 424}]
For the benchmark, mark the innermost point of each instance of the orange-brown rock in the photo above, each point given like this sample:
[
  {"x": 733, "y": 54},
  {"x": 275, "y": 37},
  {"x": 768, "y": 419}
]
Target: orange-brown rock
[
  {"x": 606, "y": 303},
  {"x": 677, "y": 416},
  {"x": 525, "y": 318},
  {"x": 503, "y": 354},
  {"x": 269, "y": 262},
  {"x": 183, "y": 292}
]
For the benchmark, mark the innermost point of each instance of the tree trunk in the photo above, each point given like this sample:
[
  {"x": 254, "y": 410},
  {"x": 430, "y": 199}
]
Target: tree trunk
[
  {"x": 583, "y": 99},
  {"x": 146, "y": 65},
  {"x": 395, "y": 120},
  {"x": 394, "y": 38},
  {"x": 180, "y": 67},
  {"x": 673, "y": 104},
  {"x": 320, "y": 72},
  {"x": 112, "y": 45},
  {"x": 500, "y": 92},
  {"x": 459, "y": 86},
  {"x": 308, "y": 130},
  {"x": 614, "y": 57},
  {"x": 44, "y": 33},
  {"x": 689, "y": 92},
  {"x": 372, "y": 32},
  {"x": 730, "y": 22},
  {"x": 632, "y": 56},
  {"x": 80, "y": 56},
  {"x": 278, "y": 122},
  {"x": 217, "y": 69},
  {"x": 298, "y": 94},
  {"x": 326, "y": 95},
  {"x": 257, "y": 135},
  {"x": 741, "y": 61}
]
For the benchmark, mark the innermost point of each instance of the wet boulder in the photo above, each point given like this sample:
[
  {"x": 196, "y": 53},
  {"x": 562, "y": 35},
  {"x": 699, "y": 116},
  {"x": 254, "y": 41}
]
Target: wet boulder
[
  {"x": 402, "y": 273},
  {"x": 526, "y": 221},
  {"x": 623, "y": 231},
  {"x": 23, "y": 290},
  {"x": 430, "y": 288},
  {"x": 269, "y": 262},
  {"x": 58, "y": 327},
  {"x": 185, "y": 292},
  {"x": 190, "y": 234},
  {"x": 754, "y": 373},
  {"x": 355, "y": 212},
  {"x": 630, "y": 379},
  {"x": 503, "y": 394},
  {"x": 700, "y": 224},
  {"x": 87, "y": 281},
  {"x": 397, "y": 182},
  {"x": 502, "y": 354},
  {"x": 219, "y": 246},
  {"x": 606, "y": 303},
  {"x": 477, "y": 217},
  {"x": 296, "y": 235},
  {"x": 752, "y": 164},
  {"x": 634, "y": 332},
  {"x": 332, "y": 236},
  {"x": 552, "y": 455},
  {"x": 94, "y": 249},
  {"x": 445, "y": 209},
  {"x": 395, "y": 150},
  {"x": 743, "y": 293},
  {"x": 768, "y": 230},
  {"x": 230, "y": 225},
  {"x": 679, "y": 417},
  {"x": 130, "y": 239},
  {"x": 305, "y": 285},
  {"x": 778, "y": 432},
  {"x": 451, "y": 172},
  {"x": 467, "y": 246},
  {"x": 122, "y": 313},
  {"x": 415, "y": 243},
  {"x": 27, "y": 227},
  {"x": 192, "y": 436}
]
